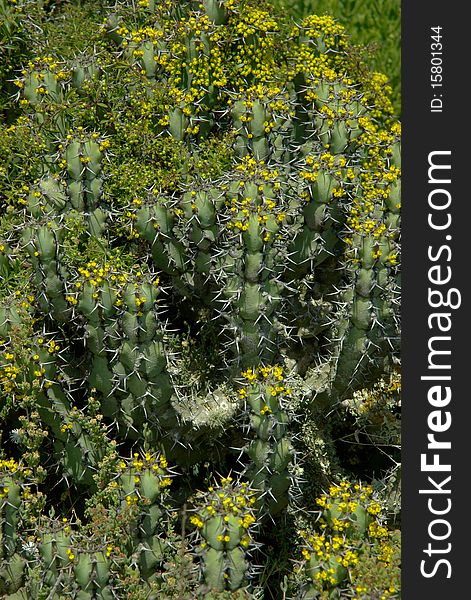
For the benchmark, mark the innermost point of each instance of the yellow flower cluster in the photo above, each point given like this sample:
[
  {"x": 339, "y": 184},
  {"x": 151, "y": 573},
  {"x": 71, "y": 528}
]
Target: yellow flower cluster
[
  {"x": 144, "y": 463},
  {"x": 267, "y": 374},
  {"x": 261, "y": 373},
  {"x": 39, "y": 66},
  {"x": 147, "y": 460},
  {"x": 8, "y": 375},
  {"x": 117, "y": 274},
  {"x": 344, "y": 491},
  {"x": 339, "y": 543},
  {"x": 326, "y": 28},
  {"x": 8, "y": 465},
  {"x": 229, "y": 499},
  {"x": 253, "y": 169},
  {"x": 25, "y": 368},
  {"x": 325, "y": 57},
  {"x": 66, "y": 427},
  {"x": 266, "y": 204},
  {"x": 323, "y": 553},
  {"x": 378, "y": 94},
  {"x": 196, "y": 521},
  {"x": 70, "y": 554},
  {"x": 376, "y": 530},
  {"x": 326, "y": 162},
  {"x": 273, "y": 386},
  {"x": 52, "y": 347},
  {"x": 379, "y": 402},
  {"x": 326, "y": 576},
  {"x": 96, "y": 274},
  {"x": 4, "y": 491},
  {"x": 254, "y": 45},
  {"x": 317, "y": 67}
]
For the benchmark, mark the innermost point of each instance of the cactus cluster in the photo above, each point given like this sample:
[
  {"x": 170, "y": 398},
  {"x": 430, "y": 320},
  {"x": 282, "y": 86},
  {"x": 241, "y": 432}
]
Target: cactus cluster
[
  {"x": 199, "y": 263},
  {"x": 352, "y": 524}
]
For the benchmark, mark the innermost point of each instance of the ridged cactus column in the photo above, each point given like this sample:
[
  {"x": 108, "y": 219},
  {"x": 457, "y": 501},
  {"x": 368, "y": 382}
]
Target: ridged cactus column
[
  {"x": 125, "y": 338},
  {"x": 367, "y": 324},
  {"x": 43, "y": 246},
  {"x": 224, "y": 520},
  {"x": 270, "y": 451},
  {"x": 143, "y": 485},
  {"x": 12, "y": 488},
  {"x": 70, "y": 567},
  {"x": 263, "y": 124}
]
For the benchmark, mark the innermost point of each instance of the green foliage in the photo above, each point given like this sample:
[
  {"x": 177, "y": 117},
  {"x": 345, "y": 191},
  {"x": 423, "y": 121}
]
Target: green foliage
[
  {"x": 199, "y": 244},
  {"x": 13, "y": 40}
]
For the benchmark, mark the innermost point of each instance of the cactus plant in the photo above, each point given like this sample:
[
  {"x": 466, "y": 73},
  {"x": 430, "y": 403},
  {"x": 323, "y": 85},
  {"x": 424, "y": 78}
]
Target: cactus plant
[
  {"x": 14, "y": 490},
  {"x": 211, "y": 191},
  {"x": 352, "y": 524},
  {"x": 271, "y": 450},
  {"x": 224, "y": 525}
]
